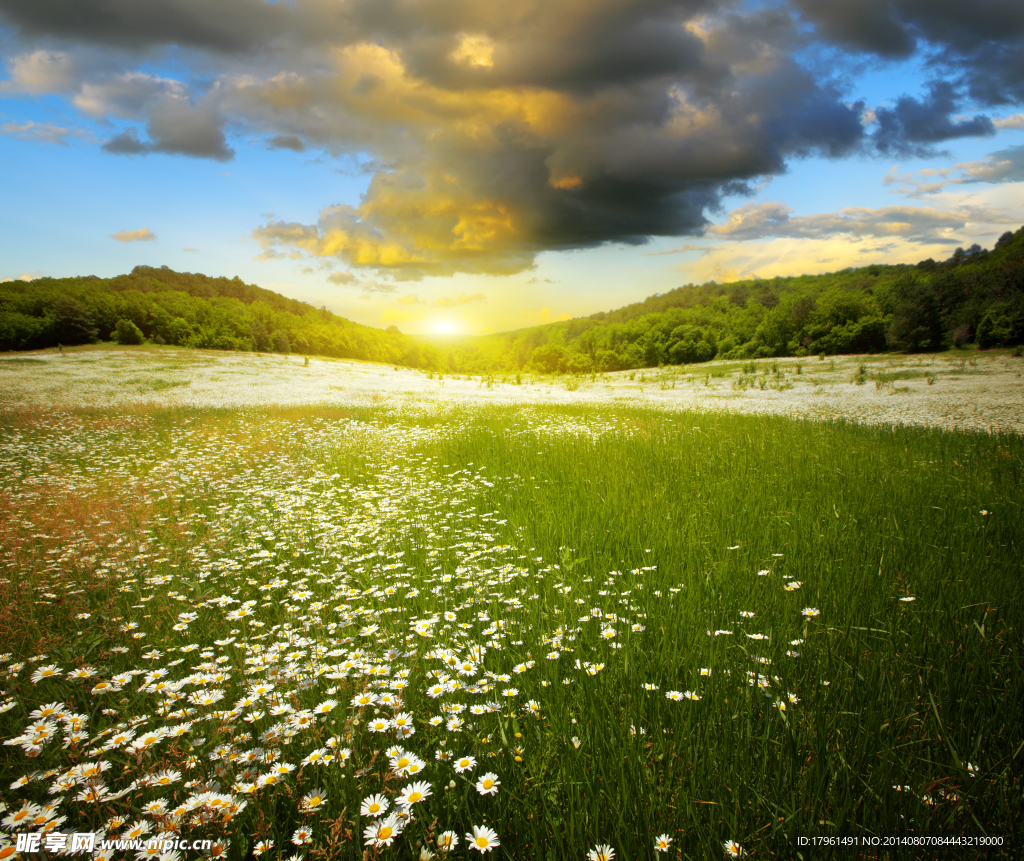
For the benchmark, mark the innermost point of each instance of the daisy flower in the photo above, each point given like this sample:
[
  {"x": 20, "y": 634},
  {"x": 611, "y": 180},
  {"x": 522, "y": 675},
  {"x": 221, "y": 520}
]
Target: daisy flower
[
  {"x": 488, "y": 784},
  {"x": 374, "y": 805},
  {"x": 662, "y": 843},
  {"x": 601, "y": 852},
  {"x": 383, "y": 833},
  {"x": 313, "y": 799},
  {"x": 47, "y": 672},
  {"x": 811, "y": 612},
  {"x": 414, "y": 793},
  {"x": 447, "y": 840},
  {"x": 302, "y": 835},
  {"x": 483, "y": 839},
  {"x": 674, "y": 695},
  {"x": 733, "y": 849},
  {"x": 465, "y": 764}
]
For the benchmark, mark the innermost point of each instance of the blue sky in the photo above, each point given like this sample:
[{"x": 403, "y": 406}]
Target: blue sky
[{"x": 466, "y": 168}]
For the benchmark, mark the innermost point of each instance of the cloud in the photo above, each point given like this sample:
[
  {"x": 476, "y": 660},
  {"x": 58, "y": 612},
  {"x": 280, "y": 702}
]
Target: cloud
[
  {"x": 143, "y": 235},
  {"x": 342, "y": 278},
  {"x": 770, "y": 219},
  {"x": 982, "y": 43},
  {"x": 291, "y": 142},
  {"x": 37, "y": 132},
  {"x": 408, "y": 299},
  {"x": 176, "y": 127},
  {"x": 682, "y": 249},
  {"x": 25, "y": 276},
  {"x": 231, "y": 25},
  {"x": 190, "y": 250},
  {"x": 1006, "y": 165},
  {"x": 1014, "y": 121},
  {"x": 39, "y": 72},
  {"x": 494, "y": 133},
  {"x": 913, "y": 124},
  {"x": 449, "y": 302}
]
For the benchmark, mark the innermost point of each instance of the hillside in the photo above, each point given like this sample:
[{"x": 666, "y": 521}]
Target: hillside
[
  {"x": 190, "y": 310},
  {"x": 974, "y": 297}
]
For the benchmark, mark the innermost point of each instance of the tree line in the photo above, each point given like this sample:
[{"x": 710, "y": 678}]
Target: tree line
[
  {"x": 162, "y": 306},
  {"x": 974, "y": 297}
]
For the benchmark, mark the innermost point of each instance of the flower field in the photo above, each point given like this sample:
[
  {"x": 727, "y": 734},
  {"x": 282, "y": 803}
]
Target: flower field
[{"x": 546, "y": 631}]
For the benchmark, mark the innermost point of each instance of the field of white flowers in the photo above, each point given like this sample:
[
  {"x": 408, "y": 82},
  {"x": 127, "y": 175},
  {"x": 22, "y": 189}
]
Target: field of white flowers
[
  {"x": 969, "y": 392},
  {"x": 343, "y": 611}
]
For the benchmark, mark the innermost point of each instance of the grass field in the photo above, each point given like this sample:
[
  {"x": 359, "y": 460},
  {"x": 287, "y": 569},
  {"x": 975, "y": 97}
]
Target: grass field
[{"x": 724, "y": 632}]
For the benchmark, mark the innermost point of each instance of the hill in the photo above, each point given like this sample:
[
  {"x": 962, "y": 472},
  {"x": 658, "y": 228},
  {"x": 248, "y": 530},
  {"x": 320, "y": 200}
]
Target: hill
[
  {"x": 190, "y": 310},
  {"x": 974, "y": 297}
]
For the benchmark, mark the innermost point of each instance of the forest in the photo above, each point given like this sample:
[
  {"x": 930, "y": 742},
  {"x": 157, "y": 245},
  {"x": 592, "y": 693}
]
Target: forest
[
  {"x": 976, "y": 297},
  {"x": 162, "y": 306}
]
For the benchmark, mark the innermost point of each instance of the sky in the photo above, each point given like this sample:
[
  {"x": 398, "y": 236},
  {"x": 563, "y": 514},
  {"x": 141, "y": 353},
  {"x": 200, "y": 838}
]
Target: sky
[{"x": 451, "y": 166}]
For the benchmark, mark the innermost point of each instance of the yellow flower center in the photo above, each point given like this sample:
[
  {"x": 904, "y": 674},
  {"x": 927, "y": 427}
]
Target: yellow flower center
[
  {"x": 384, "y": 833},
  {"x": 488, "y": 783},
  {"x": 414, "y": 797},
  {"x": 482, "y": 842}
]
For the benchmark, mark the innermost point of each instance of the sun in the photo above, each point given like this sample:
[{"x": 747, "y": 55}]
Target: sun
[{"x": 445, "y": 327}]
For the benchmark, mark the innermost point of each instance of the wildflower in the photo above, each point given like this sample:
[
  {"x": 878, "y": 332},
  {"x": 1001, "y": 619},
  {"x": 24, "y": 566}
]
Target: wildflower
[
  {"x": 972, "y": 770},
  {"x": 576, "y": 742},
  {"x": 601, "y": 852},
  {"x": 483, "y": 839},
  {"x": 413, "y": 793},
  {"x": 47, "y": 672},
  {"x": 312, "y": 800},
  {"x": 811, "y": 612},
  {"x": 674, "y": 695},
  {"x": 733, "y": 849},
  {"x": 465, "y": 764},
  {"x": 793, "y": 585},
  {"x": 383, "y": 833},
  {"x": 908, "y": 599},
  {"x": 447, "y": 840},
  {"x": 302, "y": 835},
  {"x": 662, "y": 843},
  {"x": 488, "y": 784},
  {"x": 374, "y": 805},
  {"x": 402, "y": 721},
  {"x": 262, "y": 846}
]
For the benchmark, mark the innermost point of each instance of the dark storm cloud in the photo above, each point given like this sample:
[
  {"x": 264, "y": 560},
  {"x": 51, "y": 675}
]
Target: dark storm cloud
[
  {"x": 979, "y": 41},
  {"x": 176, "y": 128},
  {"x": 499, "y": 130},
  {"x": 291, "y": 142},
  {"x": 913, "y": 125},
  {"x": 224, "y": 25}
]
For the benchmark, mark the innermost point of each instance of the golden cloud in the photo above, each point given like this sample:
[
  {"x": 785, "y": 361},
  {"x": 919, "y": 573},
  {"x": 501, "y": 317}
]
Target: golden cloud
[{"x": 143, "y": 235}]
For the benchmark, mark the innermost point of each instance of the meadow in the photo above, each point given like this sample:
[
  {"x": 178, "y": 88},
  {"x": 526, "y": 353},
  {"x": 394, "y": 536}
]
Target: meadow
[{"x": 405, "y": 627}]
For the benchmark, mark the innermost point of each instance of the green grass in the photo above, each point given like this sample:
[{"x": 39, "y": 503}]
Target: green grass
[{"x": 537, "y": 518}]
